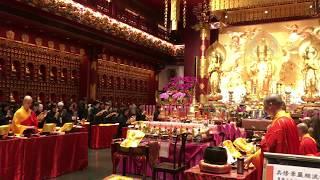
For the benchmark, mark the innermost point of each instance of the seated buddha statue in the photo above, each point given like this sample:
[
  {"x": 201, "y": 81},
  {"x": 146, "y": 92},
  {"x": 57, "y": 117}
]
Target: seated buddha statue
[
  {"x": 13, "y": 68},
  {"x": 62, "y": 76},
  {"x": 28, "y": 73}
]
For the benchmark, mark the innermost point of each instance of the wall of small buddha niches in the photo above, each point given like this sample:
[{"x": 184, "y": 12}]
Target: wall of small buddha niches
[
  {"x": 44, "y": 69},
  {"x": 125, "y": 81}
]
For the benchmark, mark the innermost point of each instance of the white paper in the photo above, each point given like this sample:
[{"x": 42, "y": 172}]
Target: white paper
[
  {"x": 164, "y": 149},
  {"x": 294, "y": 172}
]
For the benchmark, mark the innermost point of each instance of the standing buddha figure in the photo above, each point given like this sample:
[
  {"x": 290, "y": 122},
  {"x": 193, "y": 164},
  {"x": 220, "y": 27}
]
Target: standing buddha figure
[
  {"x": 310, "y": 68},
  {"x": 261, "y": 71},
  {"x": 214, "y": 73}
]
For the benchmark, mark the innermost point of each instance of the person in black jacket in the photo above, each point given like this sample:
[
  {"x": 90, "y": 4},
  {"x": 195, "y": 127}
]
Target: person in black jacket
[
  {"x": 156, "y": 113},
  {"x": 93, "y": 112},
  {"x": 51, "y": 118},
  {"x": 62, "y": 115},
  {"x": 140, "y": 114},
  {"x": 122, "y": 119}
]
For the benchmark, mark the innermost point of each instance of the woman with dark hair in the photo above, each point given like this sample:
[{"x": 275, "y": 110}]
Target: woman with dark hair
[
  {"x": 315, "y": 131},
  {"x": 51, "y": 118},
  {"x": 141, "y": 114}
]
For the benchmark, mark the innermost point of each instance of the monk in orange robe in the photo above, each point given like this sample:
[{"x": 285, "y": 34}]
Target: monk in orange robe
[
  {"x": 308, "y": 145},
  {"x": 24, "y": 117},
  {"x": 282, "y": 134}
]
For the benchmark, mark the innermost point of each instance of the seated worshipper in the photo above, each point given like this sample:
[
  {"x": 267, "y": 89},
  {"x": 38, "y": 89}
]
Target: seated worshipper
[
  {"x": 5, "y": 114},
  {"x": 104, "y": 115},
  {"x": 82, "y": 113},
  {"x": 93, "y": 112},
  {"x": 24, "y": 117},
  {"x": 62, "y": 115},
  {"x": 51, "y": 118},
  {"x": 308, "y": 145},
  {"x": 41, "y": 114},
  {"x": 35, "y": 108},
  {"x": 72, "y": 112},
  {"x": 156, "y": 113},
  {"x": 122, "y": 119},
  {"x": 141, "y": 114}
]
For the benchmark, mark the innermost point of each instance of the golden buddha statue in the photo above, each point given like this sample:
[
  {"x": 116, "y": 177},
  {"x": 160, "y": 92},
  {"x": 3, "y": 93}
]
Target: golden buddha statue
[
  {"x": 261, "y": 71},
  {"x": 310, "y": 68},
  {"x": 214, "y": 71}
]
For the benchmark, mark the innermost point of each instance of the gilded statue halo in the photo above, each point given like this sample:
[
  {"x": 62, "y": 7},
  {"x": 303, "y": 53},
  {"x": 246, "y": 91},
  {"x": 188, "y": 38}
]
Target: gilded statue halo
[{"x": 216, "y": 47}]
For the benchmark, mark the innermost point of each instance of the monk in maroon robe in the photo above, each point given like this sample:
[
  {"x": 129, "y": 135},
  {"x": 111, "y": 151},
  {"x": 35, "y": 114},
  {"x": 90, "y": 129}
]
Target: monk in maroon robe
[{"x": 308, "y": 145}]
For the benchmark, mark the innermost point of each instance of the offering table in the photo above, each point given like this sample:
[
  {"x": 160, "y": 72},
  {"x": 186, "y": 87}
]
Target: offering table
[
  {"x": 101, "y": 135},
  {"x": 43, "y": 157},
  {"x": 194, "y": 173}
]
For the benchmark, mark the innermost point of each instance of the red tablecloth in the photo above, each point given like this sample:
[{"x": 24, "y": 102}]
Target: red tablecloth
[
  {"x": 101, "y": 136},
  {"x": 194, "y": 173},
  {"x": 43, "y": 157}
]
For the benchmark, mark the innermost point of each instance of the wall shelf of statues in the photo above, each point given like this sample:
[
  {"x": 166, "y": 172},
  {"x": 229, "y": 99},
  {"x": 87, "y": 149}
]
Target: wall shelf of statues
[
  {"x": 125, "y": 80},
  {"x": 47, "y": 72}
]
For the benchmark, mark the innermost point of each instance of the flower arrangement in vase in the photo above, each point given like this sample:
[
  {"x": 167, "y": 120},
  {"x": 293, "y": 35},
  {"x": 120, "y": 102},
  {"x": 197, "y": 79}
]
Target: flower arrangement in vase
[{"x": 179, "y": 90}]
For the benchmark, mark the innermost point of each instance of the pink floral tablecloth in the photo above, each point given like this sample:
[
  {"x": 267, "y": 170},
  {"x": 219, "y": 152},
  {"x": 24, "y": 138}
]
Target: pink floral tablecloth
[
  {"x": 194, "y": 153},
  {"x": 226, "y": 132}
]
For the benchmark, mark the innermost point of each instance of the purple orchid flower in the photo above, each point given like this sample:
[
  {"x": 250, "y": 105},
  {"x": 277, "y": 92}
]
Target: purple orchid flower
[
  {"x": 178, "y": 95},
  {"x": 164, "y": 95}
]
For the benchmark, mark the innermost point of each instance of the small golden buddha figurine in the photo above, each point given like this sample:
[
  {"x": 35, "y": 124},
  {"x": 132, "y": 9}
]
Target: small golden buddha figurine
[
  {"x": 25, "y": 38},
  {"x": 10, "y": 35},
  {"x": 27, "y": 71},
  {"x": 13, "y": 68},
  {"x": 52, "y": 76},
  {"x": 62, "y": 76}
]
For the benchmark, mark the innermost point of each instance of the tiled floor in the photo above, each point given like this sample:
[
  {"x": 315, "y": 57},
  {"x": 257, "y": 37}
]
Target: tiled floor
[{"x": 100, "y": 166}]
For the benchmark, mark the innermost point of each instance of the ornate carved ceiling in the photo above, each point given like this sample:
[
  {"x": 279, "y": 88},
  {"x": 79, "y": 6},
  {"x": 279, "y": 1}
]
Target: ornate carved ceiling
[{"x": 252, "y": 11}]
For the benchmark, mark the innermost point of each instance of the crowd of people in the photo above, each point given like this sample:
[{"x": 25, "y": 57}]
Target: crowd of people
[
  {"x": 283, "y": 135},
  {"x": 63, "y": 112}
]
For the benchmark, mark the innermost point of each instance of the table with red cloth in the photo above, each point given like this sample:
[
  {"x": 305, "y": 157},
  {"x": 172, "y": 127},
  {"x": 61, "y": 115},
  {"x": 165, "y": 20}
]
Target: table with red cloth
[
  {"x": 193, "y": 154},
  {"x": 101, "y": 135},
  {"x": 43, "y": 157},
  {"x": 194, "y": 173}
]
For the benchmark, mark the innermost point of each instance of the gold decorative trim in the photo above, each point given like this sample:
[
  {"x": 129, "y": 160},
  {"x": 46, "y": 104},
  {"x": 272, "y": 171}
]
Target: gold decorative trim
[
  {"x": 31, "y": 47},
  {"x": 87, "y": 16},
  {"x": 243, "y": 11}
]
